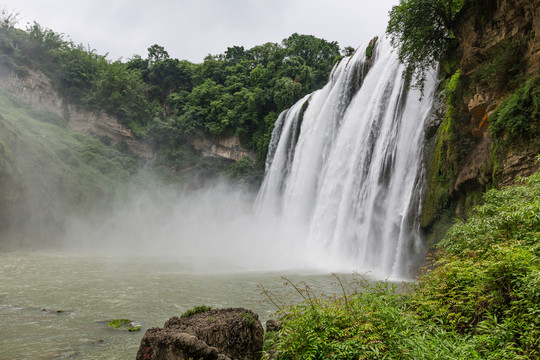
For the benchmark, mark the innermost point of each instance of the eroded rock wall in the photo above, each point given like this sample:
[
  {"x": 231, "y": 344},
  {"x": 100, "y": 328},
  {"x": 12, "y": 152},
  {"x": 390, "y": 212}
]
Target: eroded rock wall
[
  {"x": 482, "y": 29},
  {"x": 499, "y": 50},
  {"x": 36, "y": 90},
  {"x": 227, "y": 147}
]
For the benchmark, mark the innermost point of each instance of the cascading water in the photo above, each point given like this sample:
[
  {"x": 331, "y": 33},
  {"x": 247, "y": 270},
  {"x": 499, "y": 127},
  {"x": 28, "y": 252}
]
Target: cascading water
[{"x": 345, "y": 163}]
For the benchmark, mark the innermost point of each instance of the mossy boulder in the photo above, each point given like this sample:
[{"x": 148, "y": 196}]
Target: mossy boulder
[{"x": 123, "y": 324}]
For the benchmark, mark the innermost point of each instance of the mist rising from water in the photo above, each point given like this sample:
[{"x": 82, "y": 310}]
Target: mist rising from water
[{"x": 214, "y": 229}]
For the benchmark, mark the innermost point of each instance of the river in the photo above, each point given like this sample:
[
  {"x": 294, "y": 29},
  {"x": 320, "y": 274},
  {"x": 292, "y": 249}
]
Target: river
[{"x": 55, "y": 305}]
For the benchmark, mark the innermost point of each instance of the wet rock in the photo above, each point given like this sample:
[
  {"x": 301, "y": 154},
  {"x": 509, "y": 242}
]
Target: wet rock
[
  {"x": 519, "y": 164},
  {"x": 49, "y": 311},
  {"x": 480, "y": 32},
  {"x": 478, "y": 105},
  {"x": 273, "y": 325},
  {"x": 233, "y": 333},
  {"x": 370, "y": 52},
  {"x": 160, "y": 343}
]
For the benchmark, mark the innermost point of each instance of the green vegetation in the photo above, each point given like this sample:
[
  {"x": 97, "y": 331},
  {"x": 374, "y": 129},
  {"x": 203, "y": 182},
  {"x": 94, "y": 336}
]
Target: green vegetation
[
  {"x": 196, "y": 310},
  {"x": 516, "y": 122},
  {"x": 336, "y": 328},
  {"x": 504, "y": 69},
  {"x": 48, "y": 171},
  {"x": 369, "y": 51},
  {"x": 442, "y": 171},
  {"x": 123, "y": 324},
  {"x": 422, "y": 32},
  {"x": 517, "y": 117},
  {"x": 167, "y": 101},
  {"x": 485, "y": 281},
  {"x": 478, "y": 299},
  {"x": 248, "y": 319}
]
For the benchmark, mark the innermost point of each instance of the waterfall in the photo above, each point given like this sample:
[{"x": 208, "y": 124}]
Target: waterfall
[{"x": 345, "y": 163}]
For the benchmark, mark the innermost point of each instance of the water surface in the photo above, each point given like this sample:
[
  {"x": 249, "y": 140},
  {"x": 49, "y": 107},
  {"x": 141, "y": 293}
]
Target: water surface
[{"x": 55, "y": 305}]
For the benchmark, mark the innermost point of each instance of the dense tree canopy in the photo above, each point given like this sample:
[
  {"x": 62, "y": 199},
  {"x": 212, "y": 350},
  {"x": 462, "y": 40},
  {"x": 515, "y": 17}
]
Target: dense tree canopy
[
  {"x": 166, "y": 100},
  {"x": 421, "y": 30}
]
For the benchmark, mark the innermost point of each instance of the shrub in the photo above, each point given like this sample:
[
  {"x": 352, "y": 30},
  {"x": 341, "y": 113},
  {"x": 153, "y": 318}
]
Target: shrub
[
  {"x": 504, "y": 68},
  {"x": 196, "y": 310},
  {"x": 485, "y": 278},
  {"x": 334, "y": 328},
  {"x": 518, "y": 116}
]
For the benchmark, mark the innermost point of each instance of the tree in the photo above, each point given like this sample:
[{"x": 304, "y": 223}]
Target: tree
[
  {"x": 422, "y": 32},
  {"x": 234, "y": 54},
  {"x": 120, "y": 91},
  {"x": 348, "y": 51},
  {"x": 318, "y": 54},
  {"x": 267, "y": 55},
  {"x": 286, "y": 92},
  {"x": 8, "y": 19},
  {"x": 157, "y": 53}
]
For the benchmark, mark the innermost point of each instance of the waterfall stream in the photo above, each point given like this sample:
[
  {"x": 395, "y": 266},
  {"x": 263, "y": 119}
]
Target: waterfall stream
[{"x": 345, "y": 164}]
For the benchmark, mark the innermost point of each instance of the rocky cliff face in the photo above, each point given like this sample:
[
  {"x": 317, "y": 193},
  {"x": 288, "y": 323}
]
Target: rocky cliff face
[
  {"x": 484, "y": 29},
  {"x": 35, "y": 89},
  {"x": 499, "y": 51},
  {"x": 228, "y": 147}
]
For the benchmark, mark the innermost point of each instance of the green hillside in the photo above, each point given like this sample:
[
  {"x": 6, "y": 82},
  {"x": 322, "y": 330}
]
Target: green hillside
[{"x": 47, "y": 171}]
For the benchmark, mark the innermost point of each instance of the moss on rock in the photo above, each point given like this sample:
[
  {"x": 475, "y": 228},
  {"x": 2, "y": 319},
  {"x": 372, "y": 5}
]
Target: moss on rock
[{"x": 123, "y": 324}]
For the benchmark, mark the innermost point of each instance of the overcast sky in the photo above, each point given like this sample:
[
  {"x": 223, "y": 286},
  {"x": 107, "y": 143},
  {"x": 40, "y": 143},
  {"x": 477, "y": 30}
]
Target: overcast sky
[{"x": 192, "y": 29}]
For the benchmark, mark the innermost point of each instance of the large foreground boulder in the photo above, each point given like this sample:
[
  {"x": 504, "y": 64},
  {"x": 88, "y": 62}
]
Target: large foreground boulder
[{"x": 221, "y": 334}]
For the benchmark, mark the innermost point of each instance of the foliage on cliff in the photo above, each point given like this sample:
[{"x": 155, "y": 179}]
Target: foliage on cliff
[
  {"x": 166, "y": 100},
  {"x": 516, "y": 122},
  {"x": 421, "y": 30},
  {"x": 442, "y": 172},
  {"x": 478, "y": 299}
]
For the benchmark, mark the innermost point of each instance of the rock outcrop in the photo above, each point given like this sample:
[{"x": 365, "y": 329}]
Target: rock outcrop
[
  {"x": 227, "y": 147},
  {"x": 481, "y": 31},
  {"x": 35, "y": 89},
  {"x": 498, "y": 51},
  {"x": 222, "y": 334}
]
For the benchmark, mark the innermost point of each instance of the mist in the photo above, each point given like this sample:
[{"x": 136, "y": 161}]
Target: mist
[{"x": 215, "y": 228}]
